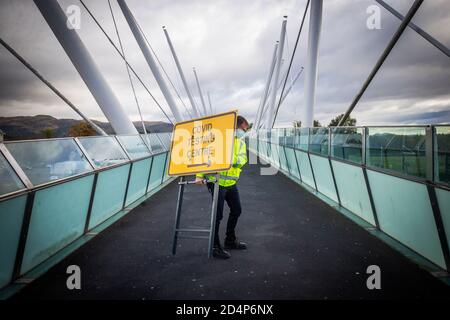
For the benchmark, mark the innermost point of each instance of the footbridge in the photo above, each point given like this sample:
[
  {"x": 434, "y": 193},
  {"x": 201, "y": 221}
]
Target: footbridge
[{"x": 319, "y": 207}]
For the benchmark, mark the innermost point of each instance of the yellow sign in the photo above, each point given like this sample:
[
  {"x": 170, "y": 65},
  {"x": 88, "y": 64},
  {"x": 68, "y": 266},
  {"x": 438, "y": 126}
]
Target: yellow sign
[{"x": 203, "y": 145}]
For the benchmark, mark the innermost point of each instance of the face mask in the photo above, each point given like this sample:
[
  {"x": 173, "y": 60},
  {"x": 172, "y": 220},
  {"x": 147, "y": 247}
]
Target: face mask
[{"x": 240, "y": 133}]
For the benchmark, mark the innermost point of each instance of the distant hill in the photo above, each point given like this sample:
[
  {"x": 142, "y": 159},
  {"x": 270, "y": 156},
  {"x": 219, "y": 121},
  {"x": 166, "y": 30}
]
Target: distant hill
[{"x": 31, "y": 127}]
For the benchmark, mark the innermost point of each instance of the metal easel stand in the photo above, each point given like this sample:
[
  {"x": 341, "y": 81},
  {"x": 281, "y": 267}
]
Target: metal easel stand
[{"x": 189, "y": 231}]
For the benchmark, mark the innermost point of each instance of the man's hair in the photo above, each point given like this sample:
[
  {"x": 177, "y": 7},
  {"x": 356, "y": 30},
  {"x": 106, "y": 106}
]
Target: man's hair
[{"x": 241, "y": 120}]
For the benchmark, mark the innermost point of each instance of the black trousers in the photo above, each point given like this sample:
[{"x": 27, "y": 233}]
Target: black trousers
[{"x": 231, "y": 196}]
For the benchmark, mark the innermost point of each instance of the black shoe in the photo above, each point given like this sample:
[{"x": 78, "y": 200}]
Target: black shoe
[
  {"x": 235, "y": 244},
  {"x": 219, "y": 253}
]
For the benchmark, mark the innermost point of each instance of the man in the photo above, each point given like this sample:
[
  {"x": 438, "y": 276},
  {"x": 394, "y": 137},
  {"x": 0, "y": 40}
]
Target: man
[{"x": 228, "y": 192}]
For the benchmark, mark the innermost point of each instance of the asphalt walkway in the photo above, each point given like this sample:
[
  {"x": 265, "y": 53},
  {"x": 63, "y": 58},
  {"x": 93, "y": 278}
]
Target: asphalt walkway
[{"x": 299, "y": 248}]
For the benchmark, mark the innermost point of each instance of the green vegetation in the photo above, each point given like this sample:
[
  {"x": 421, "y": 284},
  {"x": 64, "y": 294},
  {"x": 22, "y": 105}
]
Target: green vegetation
[{"x": 48, "y": 133}]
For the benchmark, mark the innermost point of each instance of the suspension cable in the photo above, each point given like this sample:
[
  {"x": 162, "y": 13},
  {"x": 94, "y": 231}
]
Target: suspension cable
[
  {"x": 128, "y": 72},
  {"x": 162, "y": 67},
  {"x": 290, "y": 63},
  {"x": 398, "y": 33},
  {"x": 131, "y": 68},
  {"x": 56, "y": 91}
]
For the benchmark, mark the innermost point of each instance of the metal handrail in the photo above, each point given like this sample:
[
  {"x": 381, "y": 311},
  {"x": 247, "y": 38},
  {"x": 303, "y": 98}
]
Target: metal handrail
[{"x": 428, "y": 180}]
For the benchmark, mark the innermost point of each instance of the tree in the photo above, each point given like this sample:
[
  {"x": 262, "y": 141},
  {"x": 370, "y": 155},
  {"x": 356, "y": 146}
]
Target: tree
[
  {"x": 81, "y": 129},
  {"x": 349, "y": 122},
  {"x": 48, "y": 133},
  {"x": 297, "y": 123}
]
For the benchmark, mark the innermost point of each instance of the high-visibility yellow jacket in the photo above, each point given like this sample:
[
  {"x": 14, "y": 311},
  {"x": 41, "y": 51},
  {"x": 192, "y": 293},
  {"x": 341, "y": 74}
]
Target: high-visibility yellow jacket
[{"x": 231, "y": 176}]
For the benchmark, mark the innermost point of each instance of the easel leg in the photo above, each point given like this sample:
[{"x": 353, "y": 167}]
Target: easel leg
[
  {"x": 213, "y": 216},
  {"x": 177, "y": 215}
]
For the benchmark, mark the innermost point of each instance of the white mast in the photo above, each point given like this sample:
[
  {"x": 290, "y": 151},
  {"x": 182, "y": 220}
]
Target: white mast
[
  {"x": 180, "y": 70},
  {"x": 150, "y": 61},
  {"x": 200, "y": 92},
  {"x": 262, "y": 103},
  {"x": 86, "y": 66},
  {"x": 315, "y": 25},
  {"x": 273, "y": 97},
  {"x": 209, "y": 100}
]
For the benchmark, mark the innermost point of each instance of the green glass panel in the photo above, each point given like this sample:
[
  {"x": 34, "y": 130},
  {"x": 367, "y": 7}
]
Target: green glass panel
[
  {"x": 275, "y": 155},
  {"x": 9, "y": 180},
  {"x": 283, "y": 159},
  {"x": 157, "y": 171},
  {"x": 138, "y": 180},
  {"x": 302, "y": 138},
  {"x": 166, "y": 169},
  {"x": 324, "y": 178},
  {"x": 264, "y": 148},
  {"x": 290, "y": 137},
  {"x": 305, "y": 168},
  {"x": 292, "y": 162},
  {"x": 261, "y": 149},
  {"x": 404, "y": 212},
  {"x": 319, "y": 141},
  {"x": 166, "y": 139},
  {"x": 269, "y": 152},
  {"x": 347, "y": 144},
  {"x": 135, "y": 146},
  {"x": 252, "y": 145},
  {"x": 156, "y": 144},
  {"x": 109, "y": 194},
  {"x": 397, "y": 149},
  {"x": 58, "y": 218},
  {"x": 353, "y": 190},
  {"x": 103, "y": 151},
  {"x": 11, "y": 217},
  {"x": 281, "y": 137},
  {"x": 442, "y": 154},
  {"x": 443, "y": 197},
  {"x": 48, "y": 160}
]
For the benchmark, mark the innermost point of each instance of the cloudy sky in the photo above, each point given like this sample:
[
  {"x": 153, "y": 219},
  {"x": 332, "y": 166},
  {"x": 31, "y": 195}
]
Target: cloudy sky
[{"x": 230, "y": 42}]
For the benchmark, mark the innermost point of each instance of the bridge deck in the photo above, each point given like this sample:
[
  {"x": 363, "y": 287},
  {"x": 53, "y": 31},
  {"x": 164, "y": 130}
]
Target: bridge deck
[{"x": 299, "y": 248}]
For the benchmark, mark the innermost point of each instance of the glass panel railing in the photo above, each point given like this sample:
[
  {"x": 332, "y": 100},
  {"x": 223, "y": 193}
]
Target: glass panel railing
[
  {"x": 405, "y": 213},
  {"x": 442, "y": 154},
  {"x": 302, "y": 138},
  {"x": 263, "y": 135},
  {"x": 397, "y": 149},
  {"x": 290, "y": 137},
  {"x": 135, "y": 146},
  {"x": 103, "y": 151},
  {"x": 48, "y": 160},
  {"x": 319, "y": 141},
  {"x": 274, "y": 136},
  {"x": 166, "y": 139},
  {"x": 281, "y": 136},
  {"x": 156, "y": 144},
  {"x": 10, "y": 182},
  {"x": 346, "y": 144}
]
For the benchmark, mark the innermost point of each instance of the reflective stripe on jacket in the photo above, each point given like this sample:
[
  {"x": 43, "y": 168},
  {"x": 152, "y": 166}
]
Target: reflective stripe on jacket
[{"x": 231, "y": 176}]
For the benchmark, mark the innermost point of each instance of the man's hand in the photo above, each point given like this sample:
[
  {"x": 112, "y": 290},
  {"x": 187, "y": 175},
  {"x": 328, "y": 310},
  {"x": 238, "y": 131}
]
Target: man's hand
[{"x": 199, "y": 180}]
